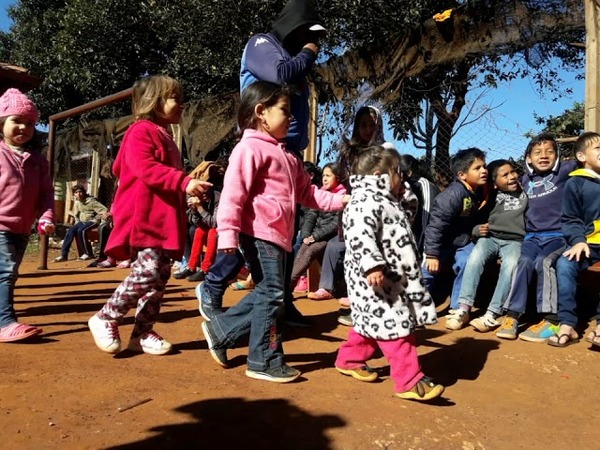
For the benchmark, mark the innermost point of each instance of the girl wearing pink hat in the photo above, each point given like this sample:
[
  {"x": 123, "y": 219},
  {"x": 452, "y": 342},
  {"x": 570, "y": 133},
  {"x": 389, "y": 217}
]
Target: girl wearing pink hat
[{"x": 27, "y": 193}]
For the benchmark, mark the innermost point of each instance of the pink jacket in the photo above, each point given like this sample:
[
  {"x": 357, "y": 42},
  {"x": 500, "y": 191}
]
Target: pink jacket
[
  {"x": 149, "y": 206},
  {"x": 26, "y": 190},
  {"x": 262, "y": 185}
]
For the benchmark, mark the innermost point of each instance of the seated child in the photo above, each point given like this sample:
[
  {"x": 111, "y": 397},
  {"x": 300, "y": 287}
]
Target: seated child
[
  {"x": 203, "y": 213},
  {"x": 385, "y": 285},
  {"x": 317, "y": 227},
  {"x": 543, "y": 183},
  {"x": 581, "y": 227},
  {"x": 500, "y": 237},
  {"x": 455, "y": 212}
]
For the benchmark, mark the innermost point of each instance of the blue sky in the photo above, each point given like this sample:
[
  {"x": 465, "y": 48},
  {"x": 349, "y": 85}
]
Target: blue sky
[{"x": 500, "y": 132}]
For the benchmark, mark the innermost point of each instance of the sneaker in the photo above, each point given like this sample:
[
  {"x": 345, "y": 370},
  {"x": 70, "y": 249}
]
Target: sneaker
[
  {"x": 424, "y": 390},
  {"x": 457, "y": 319},
  {"x": 180, "y": 275},
  {"x": 509, "y": 328},
  {"x": 106, "y": 334},
  {"x": 345, "y": 302},
  {"x": 218, "y": 354},
  {"x": 302, "y": 284},
  {"x": 345, "y": 320},
  {"x": 364, "y": 373},
  {"x": 197, "y": 276},
  {"x": 205, "y": 307},
  {"x": 283, "y": 374},
  {"x": 150, "y": 343},
  {"x": 107, "y": 263},
  {"x": 485, "y": 323},
  {"x": 320, "y": 294},
  {"x": 60, "y": 259},
  {"x": 539, "y": 332},
  {"x": 85, "y": 257}
]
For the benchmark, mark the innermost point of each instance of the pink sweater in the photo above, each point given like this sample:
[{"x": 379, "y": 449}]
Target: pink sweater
[
  {"x": 149, "y": 206},
  {"x": 26, "y": 190},
  {"x": 262, "y": 185}
]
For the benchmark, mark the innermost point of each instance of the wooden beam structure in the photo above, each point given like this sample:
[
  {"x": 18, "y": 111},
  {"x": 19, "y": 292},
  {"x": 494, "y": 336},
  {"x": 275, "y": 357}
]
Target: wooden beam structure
[{"x": 592, "y": 86}]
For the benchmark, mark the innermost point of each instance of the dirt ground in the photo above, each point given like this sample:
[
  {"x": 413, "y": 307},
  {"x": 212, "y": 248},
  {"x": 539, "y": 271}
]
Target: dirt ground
[{"x": 62, "y": 392}]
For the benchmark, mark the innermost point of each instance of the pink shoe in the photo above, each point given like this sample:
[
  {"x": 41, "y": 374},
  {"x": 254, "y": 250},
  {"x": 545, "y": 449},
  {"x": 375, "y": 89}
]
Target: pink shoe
[
  {"x": 124, "y": 264},
  {"x": 320, "y": 294},
  {"x": 301, "y": 285},
  {"x": 345, "y": 302},
  {"x": 18, "y": 331}
]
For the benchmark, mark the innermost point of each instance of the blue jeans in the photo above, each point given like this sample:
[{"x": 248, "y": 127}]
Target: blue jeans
[
  {"x": 458, "y": 258},
  {"x": 257, "y": 312},
  {"x": 76, "y": 231},
  {"x": 333, "y": 258},
  {"x": 12, "y": 249},
  {"x": 567, "y": 273},
  {"x": 487, "y": 249},
  {"x": 224, "y": 269},
  {"x": 538, "y": 254}
]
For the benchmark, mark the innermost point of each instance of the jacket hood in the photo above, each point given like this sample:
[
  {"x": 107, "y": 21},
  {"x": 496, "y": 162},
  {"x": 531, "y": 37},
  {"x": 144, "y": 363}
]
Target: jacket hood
[
  {"x": 378, "y": 183},
  {"x": 588, "y": 173},
  {"x": 295, "y": 14},
  {"x": 377, "y": 138},
  {"x": 530, "y": 169}
]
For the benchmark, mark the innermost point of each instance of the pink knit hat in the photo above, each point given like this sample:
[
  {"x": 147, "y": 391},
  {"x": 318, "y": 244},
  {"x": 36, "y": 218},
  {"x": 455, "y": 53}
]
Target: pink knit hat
[{"x": 14, "y": 103}]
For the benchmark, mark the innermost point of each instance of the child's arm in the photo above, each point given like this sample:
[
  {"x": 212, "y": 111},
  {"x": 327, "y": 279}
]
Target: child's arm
[
  {"x": 572, "y": 222},
  {"x": 445, "y": 210},
  {"x": 361, "y": 230}
]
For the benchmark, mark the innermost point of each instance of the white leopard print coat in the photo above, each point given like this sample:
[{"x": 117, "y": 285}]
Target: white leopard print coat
[{"x": 377, "y": 233}]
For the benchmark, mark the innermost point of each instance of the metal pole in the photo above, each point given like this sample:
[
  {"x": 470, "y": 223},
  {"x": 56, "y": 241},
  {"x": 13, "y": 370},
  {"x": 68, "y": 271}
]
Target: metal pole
[{"x": 44, "y": 237}]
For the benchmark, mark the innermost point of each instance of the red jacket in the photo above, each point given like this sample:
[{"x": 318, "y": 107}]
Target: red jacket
[{"x": 149, "y": 206}]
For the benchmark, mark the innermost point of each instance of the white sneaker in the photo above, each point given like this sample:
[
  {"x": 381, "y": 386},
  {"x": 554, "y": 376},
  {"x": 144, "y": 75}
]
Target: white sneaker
[
  {"x": 150, "y": 343},
  {"x": 485, "y": 323},
  {"x": 60, "y": 259},
  {"x": 85, "y": 257},
  {"x": 457, "y": 319},
  {"x": 106, "y": 334}
]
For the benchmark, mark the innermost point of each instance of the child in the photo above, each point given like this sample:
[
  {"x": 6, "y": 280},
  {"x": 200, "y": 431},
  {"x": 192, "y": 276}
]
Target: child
[
  {"x": 27, "y": 193},
  {"x": 544, "y": 242},
  {"x": 318, "y": 227},
  {"x": 263, "y": 183},
  {"x": 454, "y": 214},
  {"x": 580, "y": 224},
  {"x": 148, "y": 214},
  {"x": 500, "y": 237},
  {"x": 385, "y": 284}
]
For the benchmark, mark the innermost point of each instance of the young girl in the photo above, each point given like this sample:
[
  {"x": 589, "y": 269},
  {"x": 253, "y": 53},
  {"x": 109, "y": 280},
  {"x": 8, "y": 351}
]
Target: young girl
[
  {"x": 148, "y": 214},
  {"x": 385, "y": 283},
  {"x": 27, "y": 193},
  {"x": 317, "y": 227},
  {"x": 263, "y": 183}
]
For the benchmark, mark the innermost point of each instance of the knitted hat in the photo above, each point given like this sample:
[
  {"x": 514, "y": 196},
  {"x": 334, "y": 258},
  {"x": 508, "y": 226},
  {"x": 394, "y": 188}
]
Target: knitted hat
[{"x": 14, "y": 103}]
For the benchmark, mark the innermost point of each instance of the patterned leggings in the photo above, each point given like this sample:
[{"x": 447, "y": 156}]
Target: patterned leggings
[
  {"x": 306, "y": 255},
  {"x": 144, "y": 287}
]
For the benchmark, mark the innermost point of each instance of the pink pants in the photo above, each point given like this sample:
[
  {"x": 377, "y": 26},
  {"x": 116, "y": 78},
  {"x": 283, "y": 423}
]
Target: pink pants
[{"x": 401, "y": 354}]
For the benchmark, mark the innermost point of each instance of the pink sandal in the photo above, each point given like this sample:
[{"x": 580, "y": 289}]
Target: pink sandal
[
  {"x": 345, "y": 302},
  {"x": 18, "y": 331},
  {"x": 320, "y": 294}
]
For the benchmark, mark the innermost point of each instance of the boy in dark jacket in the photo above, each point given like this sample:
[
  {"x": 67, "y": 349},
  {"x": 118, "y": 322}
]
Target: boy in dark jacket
[
  {"x": 544, "y": 183},
  {"x": 580, "y": 224},
  {"x": 454, "y": 214}
]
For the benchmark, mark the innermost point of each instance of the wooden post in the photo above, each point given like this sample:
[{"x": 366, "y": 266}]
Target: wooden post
[{"x": 592, "y": 86}]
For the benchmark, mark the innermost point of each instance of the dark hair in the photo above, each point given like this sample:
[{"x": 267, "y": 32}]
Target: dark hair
[
  {"x": 408, "y": 163},
  {"x": 376, "y": 158},
  {"x": 540, "y": 138},
  {"x": 464, "y": 158},
  {"x": 584, "y": 141},
  {"x": 78, "y": 187},
  {"x": 259, "y": 92},
  {"x": 495, "y": 165},
  {"x": 315, "y": 172},
  {"x": 335, "y": 169}
]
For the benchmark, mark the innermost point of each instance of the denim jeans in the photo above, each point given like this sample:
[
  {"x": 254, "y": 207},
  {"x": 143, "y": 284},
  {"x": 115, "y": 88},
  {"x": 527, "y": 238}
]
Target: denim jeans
[
  {"x": 487, "y": 249},
  {"x": 458, "y": 258},
  {"x": 332, "y": 259},
  {"x": 567, "y": 273},
  {"x": 225, "y": 269},
  {"x": 12, "y": 249},
  {"x": 76, "y": 231},
  {"x": 257, "y": 312}
]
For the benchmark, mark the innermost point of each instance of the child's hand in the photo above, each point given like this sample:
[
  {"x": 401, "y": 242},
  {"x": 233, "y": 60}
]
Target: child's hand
[
  {"x": 484, "y": 229},
  {"x": 308, "y": 240},
  {"x": 197, "y": 187},
  {"x": 46, "y": 227},
  {"x": 345, "y": 200},
  {"x": 577, "y": 250},
  {"x": 432, "y": 264},
  {"x": 375, "y": 277}
]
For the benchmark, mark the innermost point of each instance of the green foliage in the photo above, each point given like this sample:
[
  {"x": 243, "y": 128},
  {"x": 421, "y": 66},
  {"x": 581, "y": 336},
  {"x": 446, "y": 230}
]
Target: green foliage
[{"x": 568, "y": 124}]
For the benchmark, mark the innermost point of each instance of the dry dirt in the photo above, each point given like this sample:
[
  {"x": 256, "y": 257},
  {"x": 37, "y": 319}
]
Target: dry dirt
[{"x": 62, "y": 392}]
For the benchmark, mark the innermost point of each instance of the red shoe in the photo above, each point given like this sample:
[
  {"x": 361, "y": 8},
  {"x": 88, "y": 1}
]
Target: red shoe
[
  {"x": 321, "y": 294},
  {"x": 18, "y": 331}
]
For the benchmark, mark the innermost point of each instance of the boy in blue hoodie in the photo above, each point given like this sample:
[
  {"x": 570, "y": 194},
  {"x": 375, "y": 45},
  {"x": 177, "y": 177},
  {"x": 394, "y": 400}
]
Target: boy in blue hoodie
[
  {"x": 581, "y": 227},
  {"x": 544, "y": 183},
  {"x": 454, "y": 214}
]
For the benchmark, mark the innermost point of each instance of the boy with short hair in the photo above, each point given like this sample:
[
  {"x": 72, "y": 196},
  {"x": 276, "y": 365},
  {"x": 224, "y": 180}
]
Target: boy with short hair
[
  {"x": 454, "y": 213},
  {"x": 544, "y": 183},
  {"x": 581, "y": 227},
  {"x": 500, "y": 237}
]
